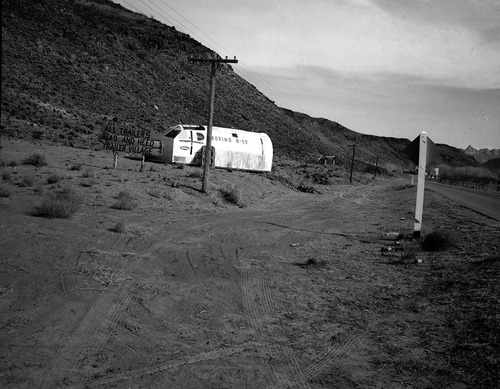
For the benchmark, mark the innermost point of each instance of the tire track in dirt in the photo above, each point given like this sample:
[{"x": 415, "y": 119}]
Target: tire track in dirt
[
  {"x": 260, "y": 310},
  {"x": 106, "y": 343},
  {"x": 74, "y": 342},
  {"x": 329, "y": 359},
  {"x": 259, "y": 304},
  {"x": 357, "y": 195},
  {"x": 258, "y": 282},
  {"x": 180, "y": 312},
  {"x": 253, "y": 316},
  {"x": 102, "y": 333},
  {"x": 90, "y": 331},
  {"x": 93, "y": 328},
  {"x": 188, "y": 360}
]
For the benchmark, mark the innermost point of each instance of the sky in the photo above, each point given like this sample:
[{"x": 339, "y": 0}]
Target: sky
[{"x": 383, "y": 67}]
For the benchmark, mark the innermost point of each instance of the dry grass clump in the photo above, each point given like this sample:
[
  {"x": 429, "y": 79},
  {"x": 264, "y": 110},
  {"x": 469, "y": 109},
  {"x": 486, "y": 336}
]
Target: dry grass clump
[
  {"x": 231, "y": 195},
  {"x": 125, "y": 201},
  {"x": 7, "y": 176},
  {"x": 155, "y": 192},
  {"x": 35, "y": 159},
  {"x": 119, "y": 228},
  {"x": 88, "y": 172},
  {"x": 54, "y": 178},
  {"x": 4, "y": 192},
  {"x": 88, "y": 182},
  {"x": 196, "y": 174},
  {"x": 313, "y": 262},
  {"x": 62, "y": 205},
  {"x": 437, "y": 241},
  {"x": 27, "y": 180},
  {"x": 76, "y": 167}
]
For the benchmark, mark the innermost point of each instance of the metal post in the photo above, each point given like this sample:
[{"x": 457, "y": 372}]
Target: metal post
[{"x": 422, "y": 160}]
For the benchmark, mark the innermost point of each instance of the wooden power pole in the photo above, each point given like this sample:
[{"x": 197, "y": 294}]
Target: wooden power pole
[
  {"x": 208, "y": 148},
  {"x": 352, "y": 161}
]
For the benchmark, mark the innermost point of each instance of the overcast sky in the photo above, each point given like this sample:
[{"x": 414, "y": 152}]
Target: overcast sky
[{"x": 384, "y": 67}]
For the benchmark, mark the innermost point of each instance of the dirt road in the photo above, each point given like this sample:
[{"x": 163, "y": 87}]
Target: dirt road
[{"x": 301, "y": 290}]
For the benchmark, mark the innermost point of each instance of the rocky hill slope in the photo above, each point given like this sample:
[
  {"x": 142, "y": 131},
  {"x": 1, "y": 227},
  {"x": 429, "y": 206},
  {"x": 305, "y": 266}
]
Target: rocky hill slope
[
  {"x": 67, "y": 66},
  {"x": 482, "y": 155}
]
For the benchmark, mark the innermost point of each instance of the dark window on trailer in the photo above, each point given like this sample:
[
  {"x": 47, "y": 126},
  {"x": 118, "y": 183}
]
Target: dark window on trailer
[{"x": 173, "y": 133}]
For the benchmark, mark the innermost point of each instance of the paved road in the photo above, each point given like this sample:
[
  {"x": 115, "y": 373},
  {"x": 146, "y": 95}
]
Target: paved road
[{"x": 487, "y": 203}]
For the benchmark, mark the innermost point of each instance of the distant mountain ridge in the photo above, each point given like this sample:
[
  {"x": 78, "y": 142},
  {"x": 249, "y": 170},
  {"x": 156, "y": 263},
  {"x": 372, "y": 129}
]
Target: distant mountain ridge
[
  {"x": 69, "y": 65},
  {"x": 482, "y": 155}
]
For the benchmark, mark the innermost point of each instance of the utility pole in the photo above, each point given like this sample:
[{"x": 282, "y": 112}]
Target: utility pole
[
  {"x": 208, "y": 148},
  {"x": 376, "y": 167},
  {"x": 352, "y": 161}
]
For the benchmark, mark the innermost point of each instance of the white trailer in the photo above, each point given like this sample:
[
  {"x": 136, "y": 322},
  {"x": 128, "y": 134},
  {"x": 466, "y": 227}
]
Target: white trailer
[{"x": 231, "y": 148}]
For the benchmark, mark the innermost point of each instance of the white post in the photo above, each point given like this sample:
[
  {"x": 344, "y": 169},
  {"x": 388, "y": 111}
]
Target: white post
[{"x": 422, "y": 160}]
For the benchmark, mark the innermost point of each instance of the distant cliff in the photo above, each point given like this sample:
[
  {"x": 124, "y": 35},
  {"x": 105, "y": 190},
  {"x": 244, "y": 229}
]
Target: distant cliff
[{"x": 482, "y": 155}]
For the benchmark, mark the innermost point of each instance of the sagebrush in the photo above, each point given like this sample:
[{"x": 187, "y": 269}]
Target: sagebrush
[{"x": 62, "y": 204}]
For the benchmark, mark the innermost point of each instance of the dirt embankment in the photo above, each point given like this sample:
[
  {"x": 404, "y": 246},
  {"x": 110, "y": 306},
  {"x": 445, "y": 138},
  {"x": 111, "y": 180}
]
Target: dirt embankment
[{"x": 187, "y": 290}]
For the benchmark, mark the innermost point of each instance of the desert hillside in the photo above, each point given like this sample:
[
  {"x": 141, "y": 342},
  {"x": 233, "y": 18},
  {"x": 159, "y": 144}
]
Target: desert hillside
[{"x": 69, "y": 65}]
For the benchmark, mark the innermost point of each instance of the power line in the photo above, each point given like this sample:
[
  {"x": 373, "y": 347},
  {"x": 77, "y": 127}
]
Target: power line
[{"x": 249, "y": 74}]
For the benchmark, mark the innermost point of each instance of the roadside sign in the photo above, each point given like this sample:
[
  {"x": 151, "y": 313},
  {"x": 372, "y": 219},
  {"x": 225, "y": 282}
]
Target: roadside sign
[
  {"x": 421, "y": 151},
  {"x": 412, "y": 151},
  {"x": 129, "y": 140}
]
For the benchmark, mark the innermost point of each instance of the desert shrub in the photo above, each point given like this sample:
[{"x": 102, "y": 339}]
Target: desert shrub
[
  {"x": 54, "y": 178},
  {"x": 62, "y": 204},
  {"x": 27, "y": 180},
  {"x": 321, "y": 178},
  {"x": 232, "y": 195},
  {"x": 35, "y": 159},
  {"x": 119, "y": 228},
  {"x": 78, "y": 167},
  {"x": 285, "y": 180},
  {"x": 410, "y": 253},
  {"x": 88, "y": 172},
  {"x": 313, "y": 262},
  {"x": 88, "y": 182},
  {"x": 39, "y": 189},
  {"x": 4, "y": 192},
  {"x": 196, "y": 174},
  {"x": 6, "y": 176},
  {"x": 155, "y": 192},
  {"x": 372, "y": 169},
  {"x": 437, "y": 241},
  {"x": 125, "y": 201}
]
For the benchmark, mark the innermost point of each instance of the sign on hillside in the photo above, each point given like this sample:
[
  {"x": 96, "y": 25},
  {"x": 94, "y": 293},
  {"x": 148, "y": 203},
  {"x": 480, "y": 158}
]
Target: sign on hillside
[{"x": 129, "y": 140}]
